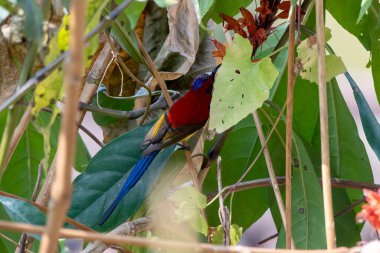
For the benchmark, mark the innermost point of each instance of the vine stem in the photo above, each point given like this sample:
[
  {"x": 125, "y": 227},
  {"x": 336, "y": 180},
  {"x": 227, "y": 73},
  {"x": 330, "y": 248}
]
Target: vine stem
[
  {"x": 323, "y": 110},
  {"x": 158, "y": 243},
  {"x": 61, "y": 187},
  {"x": 289, "y": 129}
]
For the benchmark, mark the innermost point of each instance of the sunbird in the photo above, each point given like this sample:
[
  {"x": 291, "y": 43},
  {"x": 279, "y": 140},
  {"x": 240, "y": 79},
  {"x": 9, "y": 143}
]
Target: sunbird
[{"x": 187, "y": 115}]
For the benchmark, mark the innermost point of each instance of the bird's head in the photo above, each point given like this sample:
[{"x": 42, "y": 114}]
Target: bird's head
[{"x": 205, "y": 81}]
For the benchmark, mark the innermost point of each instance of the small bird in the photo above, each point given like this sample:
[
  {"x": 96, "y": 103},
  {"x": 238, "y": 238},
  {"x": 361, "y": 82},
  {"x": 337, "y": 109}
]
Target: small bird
[{"x": 187, "y": 115}]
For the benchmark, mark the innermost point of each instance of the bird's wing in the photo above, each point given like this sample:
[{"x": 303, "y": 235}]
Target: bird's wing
[{"x": 163, "y": 135}]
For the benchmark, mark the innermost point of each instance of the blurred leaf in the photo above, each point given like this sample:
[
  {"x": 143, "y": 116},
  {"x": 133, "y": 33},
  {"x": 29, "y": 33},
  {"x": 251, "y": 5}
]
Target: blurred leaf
[
  {"x": 308, "y": 56},
  {"x": 228, "y": 7},
  {"x": 133, "y": 12},
  {"x": 165, "y": 3},
  {"x": 235, "y": 235},
  {"x": 189, "y": 202},
  {"x": 33, "y": 20},
  {"x": 97, "y": 187},
  {"x": 234, "y": 96},
  {"x": 363, "y": 9},
  {"x": 370, "y": 125},
  {"x": 307, "y": 204},
  {"x": 345, "y": 12},
  {"x": 20, "y": 211}
]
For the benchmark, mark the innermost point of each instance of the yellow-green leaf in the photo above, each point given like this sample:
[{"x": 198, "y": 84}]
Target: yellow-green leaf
[
  {"x": 308, "y": 57},
  {"x": 235, "y": 235},
  {"x": 241, "y": 86}
]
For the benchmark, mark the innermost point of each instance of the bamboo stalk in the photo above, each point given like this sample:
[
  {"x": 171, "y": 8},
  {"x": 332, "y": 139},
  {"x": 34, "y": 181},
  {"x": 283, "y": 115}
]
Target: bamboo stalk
[
  {"x": 157, "y": 243},
  {"x": 61, "y": 187},
  {"x": 289, "y": 129},
  {"x": 272, "y": 174},
  {"x": 323, "y": 110}
]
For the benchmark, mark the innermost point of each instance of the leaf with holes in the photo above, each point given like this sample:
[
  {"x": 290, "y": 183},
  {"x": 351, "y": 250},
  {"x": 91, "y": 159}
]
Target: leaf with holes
[
  {"x": 241, "y": 86},
  {"x": 308, "y": 57}
]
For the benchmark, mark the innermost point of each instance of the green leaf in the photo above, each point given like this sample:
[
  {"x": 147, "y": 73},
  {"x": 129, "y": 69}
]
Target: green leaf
[
  {"x": 374, "y": 29},
  {"x": 133, "y": 11},
  {"x": 363, "y": 9},
  {"x": 370, "y": 125},
  {"x": 189, "y": 202},
  {"x": 345, "y": 12},
  {"x": 235, "y": 235},
  {"x": 238, "y": 152},
  {"x": 228, "y": 7},
  {"x": 307, "y": 204},
  {"x": 33, "y": 20},
  {"x": 308, "y": 56},
  {"x": 104, "y": 101},
  {"x": 21, "y": 173},
  {"x": 97, "y": 187},
  {"x": 20, "y": 211},
  {"x": 241, "y": 86}
]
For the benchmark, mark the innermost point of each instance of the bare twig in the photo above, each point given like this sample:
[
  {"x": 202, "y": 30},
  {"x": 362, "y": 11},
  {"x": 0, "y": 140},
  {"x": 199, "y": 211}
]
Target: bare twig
[
  {"x": 125, "y": 229},
  {"x": 289, "y": 128},
  {"x": 38, "y": 182},
  {"x": 154, "y": 243},
  {"x": 224, "y": 214},
  {"x": 265, "y": 182},
  {"x": 18, "y": 246},
  {"x": 134, "y": 78},
  {"x": 323, "y": 110},
  {"x": 271, "y": 172},
  {"x": 61, "y": 187}
]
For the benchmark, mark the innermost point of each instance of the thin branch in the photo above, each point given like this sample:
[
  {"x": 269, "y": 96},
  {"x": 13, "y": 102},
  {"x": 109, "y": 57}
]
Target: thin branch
[
  {"x": 90, "y": 134},
  {"x": 61, "y": 187},
  {"x": 350, "y": 207},
  {"x": 125, "y": 229},
  {"x": 154, "y": 243},
  {"x": 134, "y": 78},
  {"x": 18, "y": 246},
  {"x": 272, "y": 174},
  {"x": 289, "y": 128},
  {"x": 44, "y": 72},
  {"x": 266, "y": 182},
  {"x": 323, "y": 110},
  {"x": 224, "y": 214},
  {"x": 38, "y": 182}
]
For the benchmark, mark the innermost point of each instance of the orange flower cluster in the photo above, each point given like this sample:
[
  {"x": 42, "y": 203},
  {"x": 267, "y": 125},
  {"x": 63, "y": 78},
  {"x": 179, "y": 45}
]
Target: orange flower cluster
[{"x": 371, "y": 211}]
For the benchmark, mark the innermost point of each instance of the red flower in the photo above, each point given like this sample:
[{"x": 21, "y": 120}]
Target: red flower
[
  {"x": 371, "y": 211},
  {"x": 264, "y": 9}
]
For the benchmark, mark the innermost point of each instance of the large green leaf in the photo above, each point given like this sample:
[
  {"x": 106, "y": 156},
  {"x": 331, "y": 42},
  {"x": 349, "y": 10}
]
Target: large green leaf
[
  {"x": 370, "y": 125},
  {"x": 239, "y": 150},
  {"x": 364, "y": 7},
  {"x": 307, "y": 204},
  {"x": 97, "y": 187},
  {"x": 33, "y": 20},
  {"x": 227, "y": 7},
  {"x": 21, "y": 173},
  {"x": 21, "y": 211},
  {"x": 374, "y": 29},
  {"x": 241, "y": 86},
  {"x": 346, "y": 13}
]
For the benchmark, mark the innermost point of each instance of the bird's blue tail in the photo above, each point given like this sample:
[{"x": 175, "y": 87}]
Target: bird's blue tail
[{"x": 132, "y": 179}]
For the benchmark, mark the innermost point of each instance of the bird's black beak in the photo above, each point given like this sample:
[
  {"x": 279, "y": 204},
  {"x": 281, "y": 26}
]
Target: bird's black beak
[{"x": 215, "y": 69}]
